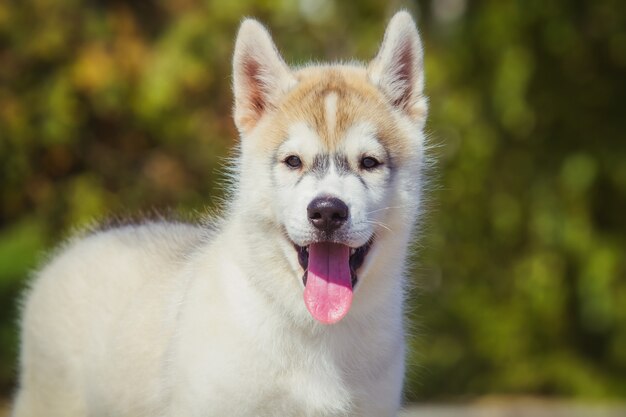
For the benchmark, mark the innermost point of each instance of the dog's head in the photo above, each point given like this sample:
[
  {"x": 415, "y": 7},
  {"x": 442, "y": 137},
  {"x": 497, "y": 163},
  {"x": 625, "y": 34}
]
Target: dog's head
[{"x": 331, "y": 156}]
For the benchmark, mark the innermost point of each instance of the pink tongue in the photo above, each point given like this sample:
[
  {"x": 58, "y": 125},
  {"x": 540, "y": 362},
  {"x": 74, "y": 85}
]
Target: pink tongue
[{"x": 328, "y": 291}]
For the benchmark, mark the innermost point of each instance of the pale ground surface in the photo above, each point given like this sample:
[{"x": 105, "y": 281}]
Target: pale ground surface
[{"x": 516, "y": 408}]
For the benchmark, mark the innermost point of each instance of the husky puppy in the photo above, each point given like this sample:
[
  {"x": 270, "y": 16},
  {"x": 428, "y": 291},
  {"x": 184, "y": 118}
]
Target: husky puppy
[{"x": 292, "y": 305}]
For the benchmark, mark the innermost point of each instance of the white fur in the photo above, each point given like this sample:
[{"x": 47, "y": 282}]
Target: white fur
[
  {"x": 172, "y": 320},
  {"x": 330, "y": 108}
]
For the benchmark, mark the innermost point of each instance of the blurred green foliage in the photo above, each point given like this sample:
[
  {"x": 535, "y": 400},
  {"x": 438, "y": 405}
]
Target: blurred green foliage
[{"x": 113, "y": 107}]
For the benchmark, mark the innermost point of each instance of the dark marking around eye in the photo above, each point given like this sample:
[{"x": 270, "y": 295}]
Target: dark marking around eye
[
  {"x": 342, "y": 164},
  {"x": 362, "y": 180},
  {"x": 320, "y": 165}
]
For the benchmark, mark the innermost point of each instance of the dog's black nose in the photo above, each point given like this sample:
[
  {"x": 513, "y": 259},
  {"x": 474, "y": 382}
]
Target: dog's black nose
[{"x": 327, "y": 213}]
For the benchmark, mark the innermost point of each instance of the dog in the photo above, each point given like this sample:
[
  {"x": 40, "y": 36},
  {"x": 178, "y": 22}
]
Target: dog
[{"x": 291, "y": 304}]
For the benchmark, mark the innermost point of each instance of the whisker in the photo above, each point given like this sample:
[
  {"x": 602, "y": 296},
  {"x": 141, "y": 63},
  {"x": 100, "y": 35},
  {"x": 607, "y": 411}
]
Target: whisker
[
  {"x": 385, "y": 208},
  {"x": 377, "y": 223}
]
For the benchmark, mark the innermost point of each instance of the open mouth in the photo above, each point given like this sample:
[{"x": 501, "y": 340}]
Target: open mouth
[
  {"x": 330, "y": 274},
  {"x": 357, "y": 257}
]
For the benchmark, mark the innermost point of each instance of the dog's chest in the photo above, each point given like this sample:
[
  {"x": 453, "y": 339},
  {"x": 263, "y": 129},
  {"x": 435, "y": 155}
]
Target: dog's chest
[{"x": 243, "y": 378}]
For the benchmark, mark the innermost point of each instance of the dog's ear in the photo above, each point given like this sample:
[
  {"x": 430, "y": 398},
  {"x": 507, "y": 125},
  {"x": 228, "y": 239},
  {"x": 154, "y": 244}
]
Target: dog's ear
[
  {"x": 260, "y": 76},
  {"x": 398, "y": 68}
]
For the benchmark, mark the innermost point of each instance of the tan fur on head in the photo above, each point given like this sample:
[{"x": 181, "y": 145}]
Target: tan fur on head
[
  {"x": 356, "y": 100},
  {"x": 392, "y": 81}
]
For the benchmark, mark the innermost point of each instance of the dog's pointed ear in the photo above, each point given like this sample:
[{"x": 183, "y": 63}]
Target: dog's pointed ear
[
  {"x": 398, "y": 68},
  {"x": 260, "y": 76}
]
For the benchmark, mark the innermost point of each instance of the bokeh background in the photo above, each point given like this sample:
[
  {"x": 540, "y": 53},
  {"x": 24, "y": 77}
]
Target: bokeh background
[{"x": 124, "y": 107}]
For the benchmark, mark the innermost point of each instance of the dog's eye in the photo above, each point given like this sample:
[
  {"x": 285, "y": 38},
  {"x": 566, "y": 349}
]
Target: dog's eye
[
  {"x": 369, "y": 163},
  {"x": 293, "y": 161}
]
